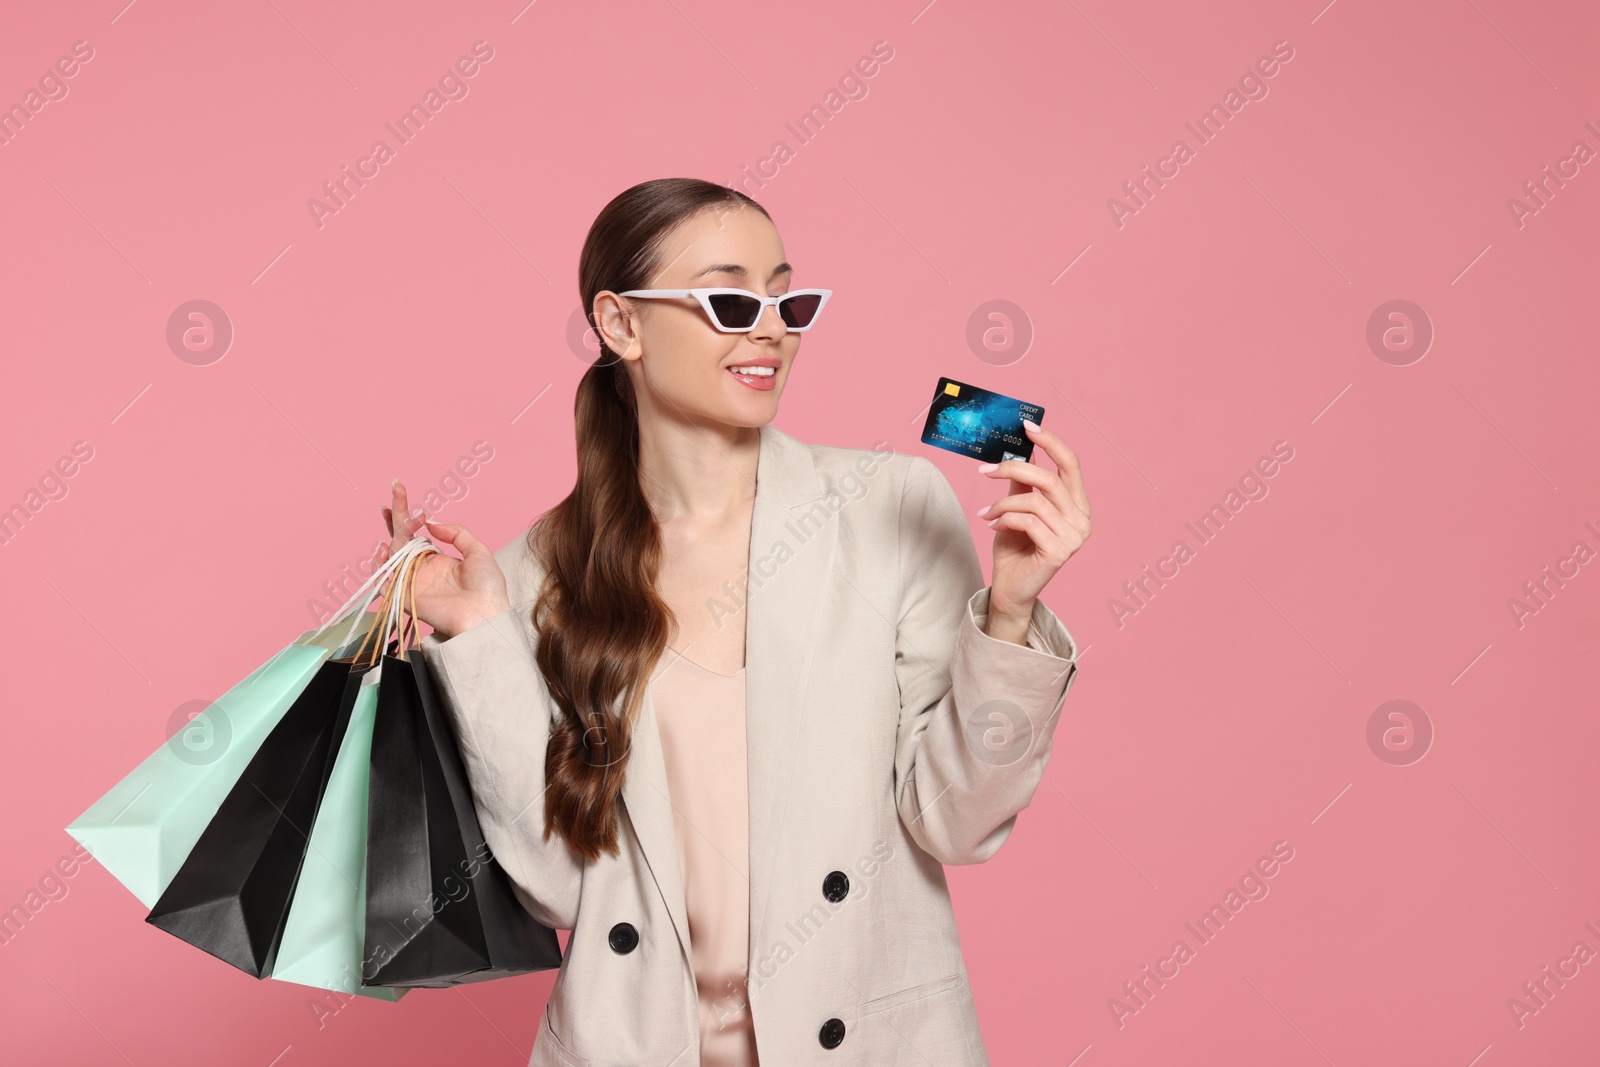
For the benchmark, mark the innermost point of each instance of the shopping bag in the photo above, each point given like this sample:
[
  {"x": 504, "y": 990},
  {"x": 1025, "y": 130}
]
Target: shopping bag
[
  {"x": 440, "y": 910},
  {"x": 143, "y": 828},
  {"x": 322, "y": 936},
  {"x": 230, "y": 897}
]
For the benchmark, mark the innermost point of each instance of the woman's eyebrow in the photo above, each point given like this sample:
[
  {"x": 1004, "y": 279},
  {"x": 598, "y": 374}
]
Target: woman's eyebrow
[{"x": 734, "y": 268}]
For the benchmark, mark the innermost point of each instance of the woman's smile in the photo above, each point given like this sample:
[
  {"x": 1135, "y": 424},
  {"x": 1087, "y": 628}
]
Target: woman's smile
[{"x": 759, "y": 374}]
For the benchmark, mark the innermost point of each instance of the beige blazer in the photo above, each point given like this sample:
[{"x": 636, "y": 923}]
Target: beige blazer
[{"x": 887, "y": 735}]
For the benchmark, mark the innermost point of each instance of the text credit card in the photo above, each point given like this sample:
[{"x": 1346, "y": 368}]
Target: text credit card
[{"x": 974, "y": 422}]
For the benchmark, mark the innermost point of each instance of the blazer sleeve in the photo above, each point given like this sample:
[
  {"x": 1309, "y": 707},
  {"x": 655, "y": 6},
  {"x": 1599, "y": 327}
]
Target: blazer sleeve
[
  {"x": 977, "y": 714},
  {"x": 489, "y": 680}
]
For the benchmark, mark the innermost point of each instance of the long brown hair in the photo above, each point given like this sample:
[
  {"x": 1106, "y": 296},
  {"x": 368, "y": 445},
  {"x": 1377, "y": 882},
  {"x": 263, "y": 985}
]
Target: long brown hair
[{"x": 601, "y": 624}]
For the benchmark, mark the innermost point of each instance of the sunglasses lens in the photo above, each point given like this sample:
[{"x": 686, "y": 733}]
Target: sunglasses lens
[
  {"x": 735, "y": 312},
  {"x": 798, "y": 311}
]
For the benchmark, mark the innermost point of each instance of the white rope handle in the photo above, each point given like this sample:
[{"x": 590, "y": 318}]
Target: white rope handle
[
  {"x": 394, "y": 617},
  {"x": 392, "y": 623},
  {"x": 356, "y": 606}
]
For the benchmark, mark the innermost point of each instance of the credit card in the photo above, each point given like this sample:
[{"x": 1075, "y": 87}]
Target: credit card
[{"x": 970, "y": 421}]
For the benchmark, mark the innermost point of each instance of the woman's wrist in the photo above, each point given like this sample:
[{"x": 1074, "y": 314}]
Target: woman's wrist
[
  {"x": 474, "y": 615},
  {"x": 1007, "y": 628},
  {"x": 1008, "y": 624}
]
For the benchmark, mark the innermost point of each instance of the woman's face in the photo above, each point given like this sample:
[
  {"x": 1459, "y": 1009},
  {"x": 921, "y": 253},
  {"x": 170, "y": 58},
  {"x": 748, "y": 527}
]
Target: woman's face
[{"x": 679, "y": 362}]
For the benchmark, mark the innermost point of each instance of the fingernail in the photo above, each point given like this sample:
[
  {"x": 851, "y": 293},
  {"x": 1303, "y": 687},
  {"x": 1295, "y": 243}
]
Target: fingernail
[
  {"x": 1030, "y": 424},
  {"x": 987, "y": 467},
  {"x": 991, "y": 522},
  {"x": 981, "y": 512},
  {"x": 394, "y": 483}
]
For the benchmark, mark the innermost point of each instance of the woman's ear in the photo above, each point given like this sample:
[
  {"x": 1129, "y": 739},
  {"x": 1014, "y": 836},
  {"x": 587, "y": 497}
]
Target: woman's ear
[{"x": 616, "y": 324}]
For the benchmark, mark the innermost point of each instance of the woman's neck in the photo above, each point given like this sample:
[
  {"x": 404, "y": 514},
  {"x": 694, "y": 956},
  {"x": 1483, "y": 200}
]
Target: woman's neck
[{"x": 697, "y": 473}]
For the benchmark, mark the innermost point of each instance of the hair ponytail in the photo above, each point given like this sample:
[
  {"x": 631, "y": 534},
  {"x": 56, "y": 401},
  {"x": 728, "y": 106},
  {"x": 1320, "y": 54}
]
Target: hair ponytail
[{"x": 602, "y": 626}]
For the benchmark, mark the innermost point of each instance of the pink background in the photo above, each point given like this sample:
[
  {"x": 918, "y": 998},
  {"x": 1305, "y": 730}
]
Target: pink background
[{"x": 1229, "y": 313}]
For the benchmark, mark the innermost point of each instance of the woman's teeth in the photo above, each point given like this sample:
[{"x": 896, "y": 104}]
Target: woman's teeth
[{"x": 758, "y": 372}]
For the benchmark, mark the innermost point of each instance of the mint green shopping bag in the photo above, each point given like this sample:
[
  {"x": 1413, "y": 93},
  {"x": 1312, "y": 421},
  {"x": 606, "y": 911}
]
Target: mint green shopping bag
[
  {"x": 142, "y": 830},
  {"x": 322, "y": 939},
  {"x": 145, "y": 826}
]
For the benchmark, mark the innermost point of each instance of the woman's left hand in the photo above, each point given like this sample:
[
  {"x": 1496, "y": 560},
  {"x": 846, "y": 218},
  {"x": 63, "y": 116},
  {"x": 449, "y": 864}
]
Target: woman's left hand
[{"x": 1034, "y": 532}]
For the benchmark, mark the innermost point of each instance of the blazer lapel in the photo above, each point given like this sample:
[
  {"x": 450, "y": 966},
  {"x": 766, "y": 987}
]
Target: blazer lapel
[
  {"x": 793, "y": 535},
  {"x": 792, "y": 543}
]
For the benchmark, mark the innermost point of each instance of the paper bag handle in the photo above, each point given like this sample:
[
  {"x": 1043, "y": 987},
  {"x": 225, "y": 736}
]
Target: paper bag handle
[
  {"x": 390, "y": 607},
  {"x": 356, "y": 606}
]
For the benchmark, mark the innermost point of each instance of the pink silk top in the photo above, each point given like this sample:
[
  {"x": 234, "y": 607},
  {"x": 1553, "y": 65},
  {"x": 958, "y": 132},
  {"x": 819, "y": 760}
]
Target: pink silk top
[{"x": 700, "y": 716}]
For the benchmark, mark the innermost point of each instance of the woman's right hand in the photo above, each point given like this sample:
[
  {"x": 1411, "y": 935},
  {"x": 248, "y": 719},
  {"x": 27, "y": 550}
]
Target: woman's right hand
[{"x": 451, "y": 594}]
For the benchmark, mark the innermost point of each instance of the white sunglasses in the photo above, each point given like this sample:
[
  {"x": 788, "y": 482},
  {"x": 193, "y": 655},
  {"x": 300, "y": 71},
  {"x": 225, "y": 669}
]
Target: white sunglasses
[{"x": 738, "y": 310}]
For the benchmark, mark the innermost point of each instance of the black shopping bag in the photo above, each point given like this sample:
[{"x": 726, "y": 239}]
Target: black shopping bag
[
  {"x": 231, "y": 896},
  {"x": 440, "y": 909}
]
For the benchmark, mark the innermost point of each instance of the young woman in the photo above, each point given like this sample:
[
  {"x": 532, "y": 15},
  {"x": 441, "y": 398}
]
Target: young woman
[{"x": 728, "y": 707}]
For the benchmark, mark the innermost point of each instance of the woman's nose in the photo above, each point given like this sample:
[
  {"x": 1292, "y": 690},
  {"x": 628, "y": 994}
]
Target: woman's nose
[{"x": 771, "y": 323}]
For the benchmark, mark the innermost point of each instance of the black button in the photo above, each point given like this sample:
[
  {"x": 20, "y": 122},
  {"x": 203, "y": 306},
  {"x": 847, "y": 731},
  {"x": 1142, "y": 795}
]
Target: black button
[
  {"x": 831, "y": 1034},
  {"x": 624, "y": 938},
  {"x": 835, "y": 886}
]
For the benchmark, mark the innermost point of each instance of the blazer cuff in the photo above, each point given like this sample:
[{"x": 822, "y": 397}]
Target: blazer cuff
[{"x": 1042, "y": 669}]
